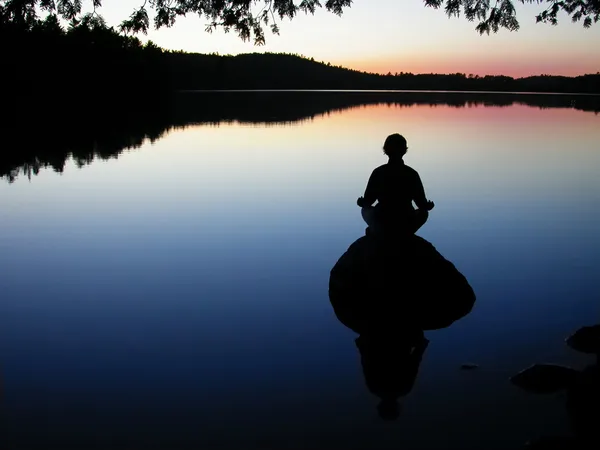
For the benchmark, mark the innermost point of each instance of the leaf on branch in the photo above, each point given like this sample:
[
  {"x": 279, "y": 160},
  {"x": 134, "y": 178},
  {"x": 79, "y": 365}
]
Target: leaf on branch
[
  {"x": 93, "y": 21},
  {"x": 137, "y": 22},
  {"x": 453, "y": 8},
  {"x": 210, "y": 27},
  {"x": 433, "y": 3},
  {"x": 285, "y": 8},
  {"x": 165, "y": 17},
  {"x": 259, "y": 35},
  {"x": 69, "y": 9},
  {"x": 511, "y": 24},
  {"x": 243, "y": 27},
  {"x": 337, "y": 6},
  {"x": 482, "y": 27},
  {"x": 475, "y": 9},
  {"x": 587, "y": 22},
  {"x": 309, "y": 6},
  {"x": 48, "y": 5}
]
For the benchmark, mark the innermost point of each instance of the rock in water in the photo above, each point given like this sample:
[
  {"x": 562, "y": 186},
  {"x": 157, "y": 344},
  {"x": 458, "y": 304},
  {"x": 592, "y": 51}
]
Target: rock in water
[
  {"x": 545, "y": 378},
  {"x": 586, "y": 340},
  {"x": 583, "y": 405},
  {"x": 380, "y": 284}
]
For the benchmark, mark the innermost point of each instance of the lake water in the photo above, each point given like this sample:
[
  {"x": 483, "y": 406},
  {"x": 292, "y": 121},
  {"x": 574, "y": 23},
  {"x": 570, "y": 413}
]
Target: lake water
[{"x": 176, "y": 296}]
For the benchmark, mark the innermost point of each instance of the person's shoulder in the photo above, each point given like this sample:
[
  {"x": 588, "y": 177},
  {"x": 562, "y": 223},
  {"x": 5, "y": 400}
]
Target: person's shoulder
[
  {"x": 410, "y": 170},
  {"x": 380, "y": 169}
]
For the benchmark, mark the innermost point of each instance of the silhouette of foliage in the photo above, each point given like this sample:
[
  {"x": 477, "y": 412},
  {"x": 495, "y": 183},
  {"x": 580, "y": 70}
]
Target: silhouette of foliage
[
  {"x": 502, "y": 14},
  {"x": 248, "y": 18}
]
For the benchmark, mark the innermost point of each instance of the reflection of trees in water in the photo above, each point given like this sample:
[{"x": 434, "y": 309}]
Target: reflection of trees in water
[
  {"x": 49, "y": 150},
  {"x": 105, "y": 132}
]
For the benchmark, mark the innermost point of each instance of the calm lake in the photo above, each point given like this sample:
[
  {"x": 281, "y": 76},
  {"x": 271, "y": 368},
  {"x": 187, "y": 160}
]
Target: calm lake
[{"x": 168, "y": 286}]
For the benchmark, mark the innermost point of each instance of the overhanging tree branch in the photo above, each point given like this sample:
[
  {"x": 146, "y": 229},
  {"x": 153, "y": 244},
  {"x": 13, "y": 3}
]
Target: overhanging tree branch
[{"x": 247, "y": 18}]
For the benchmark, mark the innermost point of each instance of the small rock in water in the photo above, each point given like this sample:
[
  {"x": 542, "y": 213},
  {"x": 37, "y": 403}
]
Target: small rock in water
[
  {"x": 545, "y": 378},
  {"x": 552, "y": 443},
  {"x": 469, "y": 366},
  {"x": 586, "y": 339}
]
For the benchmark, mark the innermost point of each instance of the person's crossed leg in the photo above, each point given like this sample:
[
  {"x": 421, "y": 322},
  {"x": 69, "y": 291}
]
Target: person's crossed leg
[{"x": 410, "y": 224}]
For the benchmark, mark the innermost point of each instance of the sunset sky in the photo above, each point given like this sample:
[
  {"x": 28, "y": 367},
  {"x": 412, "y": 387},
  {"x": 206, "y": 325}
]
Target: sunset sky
[{"x": 401, "y": 36}]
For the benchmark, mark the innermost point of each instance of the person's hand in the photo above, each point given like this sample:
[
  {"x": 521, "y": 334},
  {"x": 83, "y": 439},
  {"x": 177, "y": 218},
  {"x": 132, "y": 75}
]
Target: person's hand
[
  {"x": 430, "y": 205},
  {"x": 360, "y": 202}
]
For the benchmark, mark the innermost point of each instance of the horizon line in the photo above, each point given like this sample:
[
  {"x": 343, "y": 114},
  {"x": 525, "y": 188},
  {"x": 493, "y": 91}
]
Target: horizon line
[{"x": 392, "y": 91}]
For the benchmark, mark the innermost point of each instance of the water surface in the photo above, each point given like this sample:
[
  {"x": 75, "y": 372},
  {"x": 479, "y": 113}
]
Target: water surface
[{"x": 175, "y": 294}]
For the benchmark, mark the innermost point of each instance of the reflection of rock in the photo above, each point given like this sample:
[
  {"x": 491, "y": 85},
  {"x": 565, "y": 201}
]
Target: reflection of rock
[{"x": 378, "y": 285}]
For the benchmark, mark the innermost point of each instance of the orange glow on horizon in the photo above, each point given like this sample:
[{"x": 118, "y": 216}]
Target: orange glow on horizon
[{"x": 515, "y": 68}]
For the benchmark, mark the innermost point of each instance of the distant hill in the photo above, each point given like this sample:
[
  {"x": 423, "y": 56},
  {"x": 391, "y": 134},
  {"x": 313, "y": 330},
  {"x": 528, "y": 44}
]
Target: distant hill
[{"x": 191, "y": 71}]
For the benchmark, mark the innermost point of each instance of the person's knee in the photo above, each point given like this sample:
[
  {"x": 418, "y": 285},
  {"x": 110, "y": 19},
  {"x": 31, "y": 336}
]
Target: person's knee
[
  {"x": 368, "y": 215},
  {"x": 421, "y": 217}
]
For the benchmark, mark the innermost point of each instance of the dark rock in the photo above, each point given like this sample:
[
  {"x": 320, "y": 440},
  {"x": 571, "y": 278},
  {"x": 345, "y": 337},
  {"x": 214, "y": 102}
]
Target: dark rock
[
  {"x": 583, "y": 404},
  {"x": 469, "y": 366},
  {"x": 384, "y": 284},
  {"x": 545, "y": 378},
  {"x": 586, "y": 340},
  {"x": 553, "y": 443},
  {"x": 583, "y": 393}
]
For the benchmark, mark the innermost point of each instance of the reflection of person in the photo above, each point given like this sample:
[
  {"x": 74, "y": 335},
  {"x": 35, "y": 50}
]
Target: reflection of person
[
  {"x": 390, "y": 366},
  {"x": 395, "y": 186}
]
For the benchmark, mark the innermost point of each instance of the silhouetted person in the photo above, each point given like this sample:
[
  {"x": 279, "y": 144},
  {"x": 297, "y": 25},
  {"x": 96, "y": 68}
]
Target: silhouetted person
[
  {"x": 390, "y": 366},
  {"x": 394, "y": 186}
]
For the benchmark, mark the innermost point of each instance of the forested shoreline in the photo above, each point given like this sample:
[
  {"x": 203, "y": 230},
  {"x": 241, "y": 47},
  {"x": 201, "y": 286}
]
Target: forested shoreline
[{"x": 88, "y": 61}]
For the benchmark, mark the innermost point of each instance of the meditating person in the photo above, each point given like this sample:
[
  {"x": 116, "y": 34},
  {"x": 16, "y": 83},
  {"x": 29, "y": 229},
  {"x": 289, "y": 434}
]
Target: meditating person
[{"x": 394, "y": 186}]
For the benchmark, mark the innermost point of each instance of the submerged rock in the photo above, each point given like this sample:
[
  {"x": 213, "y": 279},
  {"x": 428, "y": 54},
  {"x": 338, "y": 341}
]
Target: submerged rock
[
  {"x": 582, "y": 388},
  {"x": 545, "y": 378},
  {"x": 382, "y": 284},
  {"x": 469, "y": 366},
  {"x": 586, "y": 340}
]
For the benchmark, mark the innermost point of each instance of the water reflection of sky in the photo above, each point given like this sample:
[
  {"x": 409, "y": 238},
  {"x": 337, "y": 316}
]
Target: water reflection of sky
[{"x": 186, "y": 283}]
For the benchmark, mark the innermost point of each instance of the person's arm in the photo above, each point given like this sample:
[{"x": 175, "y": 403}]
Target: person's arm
[
  {"x": 419, "y": 194},
  {"x": 370, "y": 192}
]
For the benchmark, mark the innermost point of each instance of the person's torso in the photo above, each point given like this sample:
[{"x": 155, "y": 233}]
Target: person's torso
[{"x": 396, "y": 188}]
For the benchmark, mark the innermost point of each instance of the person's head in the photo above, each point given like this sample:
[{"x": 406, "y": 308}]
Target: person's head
[{"x": 395, "y": 146}]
